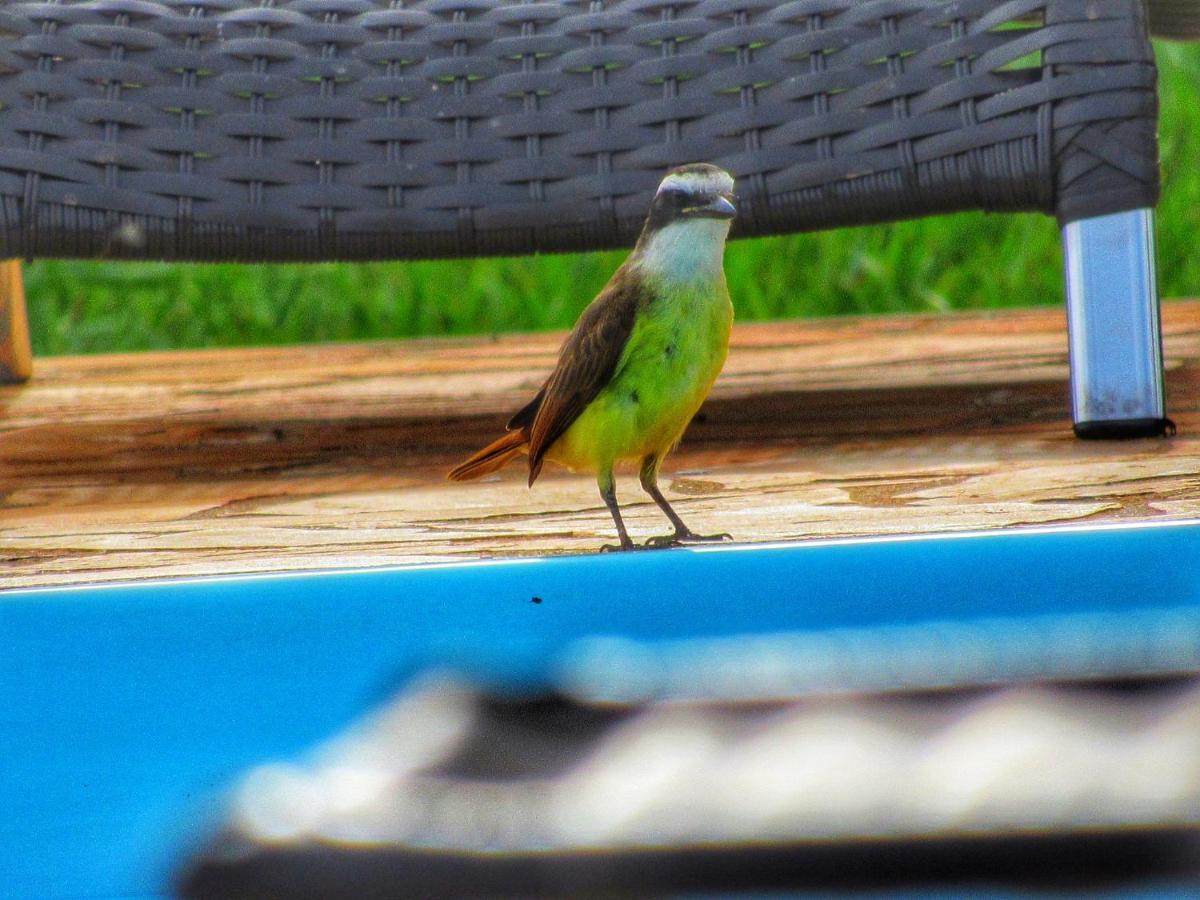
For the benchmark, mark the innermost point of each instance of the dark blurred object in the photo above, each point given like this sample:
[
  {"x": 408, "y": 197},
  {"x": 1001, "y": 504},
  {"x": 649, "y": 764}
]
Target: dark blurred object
[
  {"x": 1177, "y": 20},
  {"x": 451, "y": 792}
]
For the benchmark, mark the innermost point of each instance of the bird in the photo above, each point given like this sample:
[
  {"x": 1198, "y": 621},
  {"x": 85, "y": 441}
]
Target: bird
[{"x": 641, "y": 358}]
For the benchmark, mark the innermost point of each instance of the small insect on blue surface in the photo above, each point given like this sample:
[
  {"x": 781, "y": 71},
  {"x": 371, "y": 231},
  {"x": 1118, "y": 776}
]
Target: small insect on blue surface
[{"x": 128, "y": 709}]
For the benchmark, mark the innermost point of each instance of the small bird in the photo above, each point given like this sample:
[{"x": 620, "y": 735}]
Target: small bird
[{"x": 642, "y": 357}]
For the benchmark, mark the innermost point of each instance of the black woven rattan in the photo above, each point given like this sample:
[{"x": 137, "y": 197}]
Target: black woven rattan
[{"x": 311, "y": 129}]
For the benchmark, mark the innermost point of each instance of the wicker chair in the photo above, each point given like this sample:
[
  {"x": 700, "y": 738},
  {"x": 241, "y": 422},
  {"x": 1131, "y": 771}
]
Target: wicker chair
[{"x": 351, "y": 129}]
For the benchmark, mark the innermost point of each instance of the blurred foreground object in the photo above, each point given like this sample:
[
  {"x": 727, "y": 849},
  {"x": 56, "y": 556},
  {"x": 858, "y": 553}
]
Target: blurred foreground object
[{"x": 450, "y": 791}]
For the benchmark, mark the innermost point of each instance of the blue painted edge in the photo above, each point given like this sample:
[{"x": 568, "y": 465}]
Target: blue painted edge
[
  {"x": 880, "y": 584},
  {"x": 608, "y": 561}
]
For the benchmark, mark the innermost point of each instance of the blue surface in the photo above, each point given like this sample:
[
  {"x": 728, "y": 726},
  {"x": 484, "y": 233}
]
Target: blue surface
[{"x": 125, "y": 710}]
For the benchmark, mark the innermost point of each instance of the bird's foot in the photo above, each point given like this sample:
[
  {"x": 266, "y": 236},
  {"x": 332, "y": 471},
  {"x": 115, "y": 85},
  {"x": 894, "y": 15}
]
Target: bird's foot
[
  {"x": 681, "y": 538},
  {"x": 617, "y": 548}
]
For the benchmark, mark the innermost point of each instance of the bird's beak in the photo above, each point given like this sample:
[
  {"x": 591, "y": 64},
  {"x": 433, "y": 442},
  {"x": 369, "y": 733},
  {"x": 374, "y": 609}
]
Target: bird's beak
[{"x": 719, "y": 207}]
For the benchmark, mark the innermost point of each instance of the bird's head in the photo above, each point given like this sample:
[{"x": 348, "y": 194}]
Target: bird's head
[
  {"x": 695, "y": 191},
  {"x": 684, "y": 235}
]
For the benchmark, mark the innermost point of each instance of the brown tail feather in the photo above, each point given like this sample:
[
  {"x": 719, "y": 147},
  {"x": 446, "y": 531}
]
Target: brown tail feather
[{"x": 491, "y": 457}]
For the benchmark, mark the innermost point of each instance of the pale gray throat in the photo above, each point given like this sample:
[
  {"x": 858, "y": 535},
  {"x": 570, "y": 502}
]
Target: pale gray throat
[{"x": 689, "y": 250}]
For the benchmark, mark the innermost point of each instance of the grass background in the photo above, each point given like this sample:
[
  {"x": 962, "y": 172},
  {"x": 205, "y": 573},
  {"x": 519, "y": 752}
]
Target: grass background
[{"x": 965, "y": 261}]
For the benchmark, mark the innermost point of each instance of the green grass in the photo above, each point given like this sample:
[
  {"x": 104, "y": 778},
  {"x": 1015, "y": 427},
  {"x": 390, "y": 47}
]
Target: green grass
[{"x": 967, "y": 261}]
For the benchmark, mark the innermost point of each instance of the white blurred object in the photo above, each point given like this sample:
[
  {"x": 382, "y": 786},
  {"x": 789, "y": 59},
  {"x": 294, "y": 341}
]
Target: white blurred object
[{"x": 1029, "y": 759}]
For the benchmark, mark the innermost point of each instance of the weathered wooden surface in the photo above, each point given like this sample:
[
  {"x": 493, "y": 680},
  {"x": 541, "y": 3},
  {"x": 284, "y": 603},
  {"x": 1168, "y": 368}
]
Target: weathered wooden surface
[
  {"x": 136, "y": 466},
  {"x": 16, "y": 360}
]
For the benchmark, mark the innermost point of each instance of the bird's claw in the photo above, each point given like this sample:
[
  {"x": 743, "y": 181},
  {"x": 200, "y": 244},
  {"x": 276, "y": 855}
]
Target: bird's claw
[
  {"x": 617, "y": 548},
  {"x": 682, "y": 538},
  {"x": 663, "y": 540}
]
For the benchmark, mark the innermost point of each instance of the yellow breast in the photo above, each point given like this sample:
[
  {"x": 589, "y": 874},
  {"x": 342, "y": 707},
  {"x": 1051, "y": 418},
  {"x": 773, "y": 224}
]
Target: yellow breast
[{"x": 675, "y": 352}]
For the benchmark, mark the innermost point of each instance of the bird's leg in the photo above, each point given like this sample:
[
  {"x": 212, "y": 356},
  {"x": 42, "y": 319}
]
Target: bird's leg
[
  {"x": 608, "y": 491},
  {"x": 682, "y": 534}
]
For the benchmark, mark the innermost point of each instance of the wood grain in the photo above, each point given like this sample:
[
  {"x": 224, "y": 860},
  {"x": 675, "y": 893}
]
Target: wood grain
[
  {"x": 16, "y": 357},
  {"x": 222, "y": 461}
]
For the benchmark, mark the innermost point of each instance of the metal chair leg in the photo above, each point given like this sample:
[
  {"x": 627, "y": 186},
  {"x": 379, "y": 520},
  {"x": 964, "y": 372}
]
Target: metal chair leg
[{"x": 1113, "y": 324}]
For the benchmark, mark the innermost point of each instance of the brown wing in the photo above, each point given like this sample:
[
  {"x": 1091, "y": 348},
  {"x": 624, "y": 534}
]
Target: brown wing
[
  {"x": 585, "y": 365},
  {"x": 523, "y": 417}
]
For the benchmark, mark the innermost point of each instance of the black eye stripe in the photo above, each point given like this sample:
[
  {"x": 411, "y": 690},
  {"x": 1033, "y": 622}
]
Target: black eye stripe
[{"x": 672, "y": 200}]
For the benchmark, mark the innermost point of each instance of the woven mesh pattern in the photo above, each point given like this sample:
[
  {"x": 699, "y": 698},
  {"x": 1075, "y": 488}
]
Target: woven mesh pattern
[{"x": 316, "y": 129}]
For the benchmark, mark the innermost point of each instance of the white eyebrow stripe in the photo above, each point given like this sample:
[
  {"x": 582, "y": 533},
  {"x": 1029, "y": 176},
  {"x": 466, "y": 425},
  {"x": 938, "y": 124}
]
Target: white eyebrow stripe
[{"x": 697, "y": 183}]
